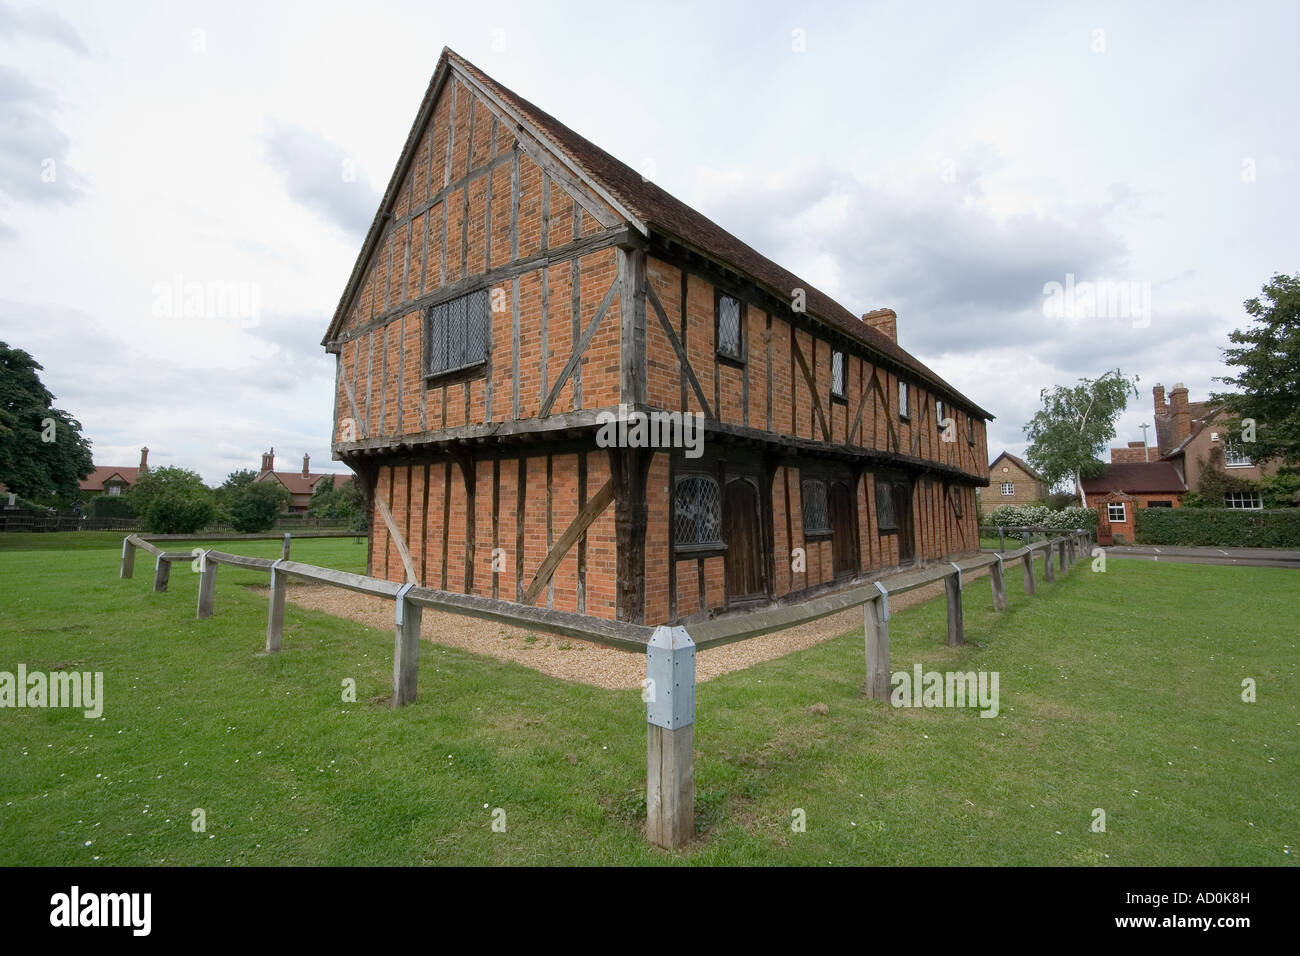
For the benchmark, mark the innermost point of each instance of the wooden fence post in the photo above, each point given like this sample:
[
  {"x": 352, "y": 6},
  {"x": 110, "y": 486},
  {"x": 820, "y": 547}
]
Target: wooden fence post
[
  {"x": 162, "y": 572},
  {"x": 1060, "y": 556},
  {"x": 952, "y": 587},
  {"x": 128, "y": 557},
  {"x": 1029, "y": 572},
  {"x": 1002, "y": 540},
  {"x": 876, "y": 631},
  {"x": 275, "y": 614},
  {"x": 669, "y": 693},
  {"x": 1048, "y": 574},
  {"x": 207, "y": 586},
  {"x": 284, "y": 548},
  {"x": 997, "y": 575},
  {"x": 406, "y": 647}
]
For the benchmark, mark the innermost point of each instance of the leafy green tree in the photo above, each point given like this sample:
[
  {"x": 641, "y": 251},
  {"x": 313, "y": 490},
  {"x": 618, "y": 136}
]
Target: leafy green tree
[
  {"x": 1267, "y": 359},
  {"x": 43, "y": 454},
  {"x": 226, "y": 492},
  {"x": 1071, "y": 430},
  {"x": 254, "y": 506},
  {"x": 172, "y": 501},
  {"x": 344, "y": 501}
]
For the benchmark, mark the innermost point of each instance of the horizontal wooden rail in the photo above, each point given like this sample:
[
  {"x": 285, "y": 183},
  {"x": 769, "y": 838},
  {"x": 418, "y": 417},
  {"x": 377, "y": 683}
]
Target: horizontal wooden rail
[{"x": 240, "y": 560}]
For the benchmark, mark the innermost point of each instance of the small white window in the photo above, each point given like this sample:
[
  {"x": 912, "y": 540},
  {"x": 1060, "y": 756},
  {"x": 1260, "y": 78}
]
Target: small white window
[
  {"x": 114, "y": 489},
  {"x": 1234, "y": 457},
  {"x": 837, "y": 374},
  {"x": 1242, "y": 499},
  {"x": 1008, "y": 487},
  {"x": 902, "y": 400},
  {"x": 1116, "y": 513}
]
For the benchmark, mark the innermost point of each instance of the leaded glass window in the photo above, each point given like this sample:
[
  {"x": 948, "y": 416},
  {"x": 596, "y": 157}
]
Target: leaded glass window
[
  {"x": 816, "y": 519},
  {"x": 458, "y": 332},
  {"x": 697, "y": 511}
]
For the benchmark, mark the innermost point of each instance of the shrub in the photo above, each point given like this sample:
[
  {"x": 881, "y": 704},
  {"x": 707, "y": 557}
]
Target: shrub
[
  {"x": 1038, "y": 516},
  {"x": 110, "y": 506},
  {"x": 172, "y": 501},
  {"x": 254, "y": 507},
  {"x": 1219, "y": 527}
]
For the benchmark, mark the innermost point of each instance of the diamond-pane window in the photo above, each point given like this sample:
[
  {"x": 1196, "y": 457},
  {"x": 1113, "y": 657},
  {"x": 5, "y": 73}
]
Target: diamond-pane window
[
  {"x": 697, "y": 510},
  {"x": 458, "y": 332},
  {"x": 837, "y": 374},
  {"x": 729, "y": 326},
  {"x": 885, "y": 507},
  {"x": 816, "y": 520},
  {"x": 903, "y": 411}
]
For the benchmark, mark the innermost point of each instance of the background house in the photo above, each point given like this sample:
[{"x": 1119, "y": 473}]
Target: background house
[
  {"x": 114, "y": 479},
  {"x": 1126, "y": 486},
  {"x": 1012, "y": 481},
  {"x": 1195, "y": 436},
  {"x": 301, "y": 485}
]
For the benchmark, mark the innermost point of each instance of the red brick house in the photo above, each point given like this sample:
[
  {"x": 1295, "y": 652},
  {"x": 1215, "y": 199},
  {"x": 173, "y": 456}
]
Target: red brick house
[
  {"x": 521, "y": 292},
  {"x": 1195, "y": 436},
  {"x": 114, "y": 479},
  {"x": 1127, "y": 486},
  {"x": 300, "y": 485}
]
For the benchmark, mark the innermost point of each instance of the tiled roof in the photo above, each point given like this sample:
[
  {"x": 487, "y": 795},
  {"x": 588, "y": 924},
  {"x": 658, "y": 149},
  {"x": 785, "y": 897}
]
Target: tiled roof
[
  {"x": 1019, "y": 463},
  {"x": 95, "y": 480},
  {"x": 666, "y": 215},
  {"x": 1136, "y": 477},
  {"x": 296, "y": 484}
]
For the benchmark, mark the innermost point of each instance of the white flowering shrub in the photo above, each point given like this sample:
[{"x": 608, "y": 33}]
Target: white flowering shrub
[{"x": 1039, "y": 516}]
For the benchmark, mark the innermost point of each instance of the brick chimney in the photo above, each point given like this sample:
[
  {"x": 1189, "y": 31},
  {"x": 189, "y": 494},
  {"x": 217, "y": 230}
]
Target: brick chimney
[
  {"x": 1161, "y": 407},
  {"x": 883, "y": 320},
  {"x": 1181, "y": 412},
  {"x": 305, "y": 459},
  {"x": 268, "y": 460},
  {"x": 1135, "y": 452},
  {"x": 144, "y": 459}
]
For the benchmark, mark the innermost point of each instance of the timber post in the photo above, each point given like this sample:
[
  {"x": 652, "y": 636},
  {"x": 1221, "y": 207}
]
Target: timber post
[
  {"x": 997, "y": 576},
  {"x": 284, "y": 548},
  {"x": 275, "y": 613},
  {"x": 406, "y": 648},
  {"x": 670, "y": 756},
  {"x": 876, "y": 631},
  {"x": 162, "y": 572},
  {"x": 952, "y": 588},
  {"x": 207, "y": 586},
  {"x": 1048, "y": 574},
  {"x": 128, "y": 557},
  {"x": 1029, "y": 572},
  {"x": 1002, "y": 540}
]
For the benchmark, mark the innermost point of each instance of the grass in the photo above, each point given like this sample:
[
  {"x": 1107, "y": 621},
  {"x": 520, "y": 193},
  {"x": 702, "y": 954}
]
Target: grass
[{"x": 1119, "y": 691}]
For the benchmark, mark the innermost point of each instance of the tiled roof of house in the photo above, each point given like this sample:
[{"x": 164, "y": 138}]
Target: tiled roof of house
[
  {"x": 102, "y": 473},
  {"x": 1137, "y": 477},
  {"x": 1198, "y": 413},
  {"x": 296, "y": 484},
  {"x": 657, "y": 209}
]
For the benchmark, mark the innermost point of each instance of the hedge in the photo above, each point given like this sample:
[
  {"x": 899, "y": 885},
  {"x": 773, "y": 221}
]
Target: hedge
[
  {"x": 1219, "y": 527},
  {"x": 110, "y": 506},
  {"x": 1039, "y": 516}
]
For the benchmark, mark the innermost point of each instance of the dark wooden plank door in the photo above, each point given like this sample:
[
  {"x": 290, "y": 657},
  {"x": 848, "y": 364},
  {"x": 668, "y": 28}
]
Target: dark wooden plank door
[
  {"x": 903, "y": 518},
  {"x": 844, "y": 530},
  {"x": 746, "y": 578}
]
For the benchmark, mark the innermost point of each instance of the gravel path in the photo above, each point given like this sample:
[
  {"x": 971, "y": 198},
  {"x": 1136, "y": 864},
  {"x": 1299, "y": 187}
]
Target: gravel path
[{"x": 570, "y": 659}]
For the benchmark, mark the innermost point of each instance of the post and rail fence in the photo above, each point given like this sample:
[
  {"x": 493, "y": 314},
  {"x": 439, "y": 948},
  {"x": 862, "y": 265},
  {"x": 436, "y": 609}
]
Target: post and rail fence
[{"x": 669, "y": 688}]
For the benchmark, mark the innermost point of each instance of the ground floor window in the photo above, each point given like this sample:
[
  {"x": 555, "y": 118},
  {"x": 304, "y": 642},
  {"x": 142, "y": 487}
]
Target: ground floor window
[
  {"x": 1242, "y": 499},
  {"x": 697, "y": 510},
  {"x": 885, "y": 507},
  {"x": 816, "y": 517},
  {"x": 1160, "y": 504},
  {"x": 1116, "y": 512}
]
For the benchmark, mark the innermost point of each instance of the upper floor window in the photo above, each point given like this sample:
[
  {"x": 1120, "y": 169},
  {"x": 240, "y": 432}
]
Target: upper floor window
[
  {"x": 697, "y": 512},
  {"x": 1234, "y": 457},
  {"x": 1008, "y": 487},
  {"x": 457, "y": 333},
  {"x": 837, "y": 374},
  {"x": 903, "y": 411},
  {"x": 114, "y": 489},
  {"x": 816, "y": 518},
  {"x": 970, "y": 429},
  {"x": 729, "y": 331},
  {"x": 1242, "y": 499}
]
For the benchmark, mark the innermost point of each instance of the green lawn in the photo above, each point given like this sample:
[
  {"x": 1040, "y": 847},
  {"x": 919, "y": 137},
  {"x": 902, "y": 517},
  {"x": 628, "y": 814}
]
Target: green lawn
[{"x": 1119, "y": 690}]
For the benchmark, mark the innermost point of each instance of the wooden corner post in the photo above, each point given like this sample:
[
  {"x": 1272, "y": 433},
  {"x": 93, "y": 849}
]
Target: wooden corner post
[
  {"x": 952, "y": 587},
  {"x": 1029, "y": 572},
  {"x": 1048, "y": 574},
  {"x": 669, "y": 693},
  {"x": 275, "y": 614},
  {"x": 128, "y": 557},
  {"x": 207, "y": 586},
  {"x": 876, "y": 631},
  {"x": 406, "y": 648},
  {"x": 162, "y": 572}
]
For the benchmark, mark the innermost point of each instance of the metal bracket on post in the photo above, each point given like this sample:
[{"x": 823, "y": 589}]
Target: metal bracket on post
[
  {"x": 274, "y": 565},
  {"x": 958, "y": 570},
  {"x": 670, "y": 669},
  {"x": 1001, "y": 567},
  {"x": 401, "y": 603},
  {"x": 884, "y": 601}
]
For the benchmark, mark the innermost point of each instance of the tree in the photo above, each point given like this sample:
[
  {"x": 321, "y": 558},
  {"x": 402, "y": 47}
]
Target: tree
[
  {"x": 1267, "y": 357},
  {"x": 1069, "y": 432},
  {"x": 42, "y": 451},
  {"x": 344, "y": 501},
  {"x": 254, "y": 506},
  {"x": 172, "y": 501}
]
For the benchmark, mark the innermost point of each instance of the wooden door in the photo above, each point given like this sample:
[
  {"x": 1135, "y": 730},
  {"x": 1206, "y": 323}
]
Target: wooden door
[
  {"x": 903, "y": 518},
  {"x": 746, "y": 578},
  {"x": 844, "y": 530}
]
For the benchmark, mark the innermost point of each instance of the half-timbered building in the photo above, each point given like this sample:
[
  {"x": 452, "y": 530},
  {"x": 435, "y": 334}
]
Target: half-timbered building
[{"x": 519, "y": 286}]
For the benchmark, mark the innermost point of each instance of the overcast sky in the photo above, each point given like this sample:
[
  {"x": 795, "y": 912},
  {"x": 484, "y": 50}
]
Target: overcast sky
[{"x": 945, "y": 160}]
